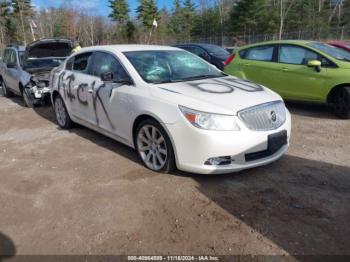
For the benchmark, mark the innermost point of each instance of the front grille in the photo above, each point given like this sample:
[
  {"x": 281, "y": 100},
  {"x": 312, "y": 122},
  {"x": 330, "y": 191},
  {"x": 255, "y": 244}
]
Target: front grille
[{"x": 265, "y": 117}]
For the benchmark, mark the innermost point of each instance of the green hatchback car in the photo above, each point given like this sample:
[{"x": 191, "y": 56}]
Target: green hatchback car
[{"x": 297, "y": 70}]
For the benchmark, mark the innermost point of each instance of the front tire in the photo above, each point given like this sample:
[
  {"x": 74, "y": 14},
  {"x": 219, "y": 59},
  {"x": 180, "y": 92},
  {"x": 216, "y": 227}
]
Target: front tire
[
  {"x": 7, "y": 93},
  {"x": 27, "y": 97},
  {"x": 341, "y": 104},
  {"x": 154, "y": 147},
  {"x": 62, "y": 117}
]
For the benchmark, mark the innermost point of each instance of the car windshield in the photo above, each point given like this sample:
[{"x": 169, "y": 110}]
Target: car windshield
[
  {"x": 43, "y": 63},
  {"x": 332, "y": 51},
  {"x": 216, "y": 50},
  {"x": 171, "y": 66}
]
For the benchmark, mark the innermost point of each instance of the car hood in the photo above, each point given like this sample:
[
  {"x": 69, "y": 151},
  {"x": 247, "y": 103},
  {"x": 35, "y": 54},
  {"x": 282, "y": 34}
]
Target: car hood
[
  {"x": 49, "y": 48},
  {"x": 226, "y": 95}
]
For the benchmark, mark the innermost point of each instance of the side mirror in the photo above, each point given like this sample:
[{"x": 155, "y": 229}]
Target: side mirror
[
  {"x": 107, "y": 77},
  {"x": 11, "y": 66},
  {"x": 315, "y": 64}
]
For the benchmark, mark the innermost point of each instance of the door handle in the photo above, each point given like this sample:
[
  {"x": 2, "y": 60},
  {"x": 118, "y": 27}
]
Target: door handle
[
  {"x": 246, "y": 64},
  {"x": 285, "y": 69},
  {"x": 90, "y": 91}
]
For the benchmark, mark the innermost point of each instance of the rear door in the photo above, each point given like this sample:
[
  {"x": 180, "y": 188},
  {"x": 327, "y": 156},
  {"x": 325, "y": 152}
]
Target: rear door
[
  {"x": 78, "y": 86},
  {"x": 296, "y": 80},
  {"x": 259, "y": 64}
]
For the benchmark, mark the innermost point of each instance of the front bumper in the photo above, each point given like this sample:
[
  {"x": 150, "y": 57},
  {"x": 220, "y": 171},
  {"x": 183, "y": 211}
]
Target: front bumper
[{"x": 194, "y": 146}]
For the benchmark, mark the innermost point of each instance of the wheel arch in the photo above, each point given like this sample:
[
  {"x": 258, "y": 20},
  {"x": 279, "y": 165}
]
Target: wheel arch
[
  {"x": 138, "y": 120},
  {"x": 54, "y": 94},
  {"x": 334, "y": 90},
  {"x": 145, "y": 116}
]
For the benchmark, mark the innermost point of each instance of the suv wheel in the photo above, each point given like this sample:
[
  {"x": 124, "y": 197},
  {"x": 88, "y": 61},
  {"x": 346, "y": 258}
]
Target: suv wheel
[
  {"x": 342, "y": 103},
  {"x": 27, "y": 97},
  {"x": 5, "y": 91},
  {"x": 154, "y": 147},
  {"x": 61, "y": 113}
]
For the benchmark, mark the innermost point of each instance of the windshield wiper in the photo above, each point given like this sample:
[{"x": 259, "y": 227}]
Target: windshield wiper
[
  {"x": 199, "y": 77},
  {"x": 191, "y": 78}
]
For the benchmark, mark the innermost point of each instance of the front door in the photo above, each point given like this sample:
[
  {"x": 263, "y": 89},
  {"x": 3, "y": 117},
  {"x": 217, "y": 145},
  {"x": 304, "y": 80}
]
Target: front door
[{"x": 110, "y": 102}]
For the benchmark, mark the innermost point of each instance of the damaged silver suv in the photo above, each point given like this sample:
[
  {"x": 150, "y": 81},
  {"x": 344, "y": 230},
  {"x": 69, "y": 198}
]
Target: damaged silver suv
[{"x": 26, "y": 71}]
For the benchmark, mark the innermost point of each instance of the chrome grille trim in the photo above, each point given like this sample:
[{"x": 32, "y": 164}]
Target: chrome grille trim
[{"x": 264, "y": 117}]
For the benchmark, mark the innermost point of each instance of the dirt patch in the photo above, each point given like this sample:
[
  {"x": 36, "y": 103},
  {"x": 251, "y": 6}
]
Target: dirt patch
[{"x": 79, "y": 192}]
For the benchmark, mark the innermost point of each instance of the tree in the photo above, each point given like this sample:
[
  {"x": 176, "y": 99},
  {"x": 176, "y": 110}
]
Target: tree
[
  {"x": 120, "y": 14},
  {"x": 285, "y": 6},
  {"x": 130, "y": 31},
  {"x": 248, "y": 16},
  {"x": 188, "y": 13},
  {"x": 120, "y": 11},
  {"x": 4, "y": 20},
  {"x": 146, "y": 12},
  {"x": 22, "y": 11}
]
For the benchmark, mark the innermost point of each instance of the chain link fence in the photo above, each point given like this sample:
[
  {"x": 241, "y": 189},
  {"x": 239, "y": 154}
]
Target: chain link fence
[{"x": 341, "y": 33}]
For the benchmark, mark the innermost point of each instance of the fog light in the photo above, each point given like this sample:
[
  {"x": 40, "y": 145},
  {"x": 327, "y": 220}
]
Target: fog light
[{"x": 219, "y": 161}]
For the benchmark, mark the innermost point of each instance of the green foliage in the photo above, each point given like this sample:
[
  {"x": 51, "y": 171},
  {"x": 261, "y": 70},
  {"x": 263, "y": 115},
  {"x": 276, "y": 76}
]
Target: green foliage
[
  {"x": 147, "y": 11},
  {"x": 120, "y": 11},
  {"x": 22, "y": 13},
  {"x": 181, "y": 22},
  {"x": 130, "y": 31}
]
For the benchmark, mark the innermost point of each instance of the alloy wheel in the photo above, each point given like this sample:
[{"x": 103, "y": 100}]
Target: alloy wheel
[
  {"x": 152, "y": 147},
  {"x": 61, "y": 114}
]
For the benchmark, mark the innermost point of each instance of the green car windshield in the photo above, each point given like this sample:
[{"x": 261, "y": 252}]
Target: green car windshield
[
  {"x": 170, "y": 66},
  {"x": 332, "y": 51}
]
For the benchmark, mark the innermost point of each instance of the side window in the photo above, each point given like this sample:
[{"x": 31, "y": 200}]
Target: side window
[
  {"x": 327, "y": 63},
  {"x": 105, "y": 63},
  {"x": 260, "y": 53},
  {"x": 82, "y": 62},
  {"x": 296, "y": 55},
  {"x": 69, "y": 64},
  {"x": 5, "y": 57},
  {"x": 12, "y": 58}
]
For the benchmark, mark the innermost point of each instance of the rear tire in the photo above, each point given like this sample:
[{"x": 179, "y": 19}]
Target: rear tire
[
  {"x": 341, "y": 106},
  {"x": 7, "y": 93},
  {"x": 62, "y": 117},
  {"x": 154, "y": 147}
]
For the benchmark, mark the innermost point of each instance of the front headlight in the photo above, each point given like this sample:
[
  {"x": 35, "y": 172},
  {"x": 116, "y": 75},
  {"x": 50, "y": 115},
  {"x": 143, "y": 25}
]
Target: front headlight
[{"x": 210, "y": 121}]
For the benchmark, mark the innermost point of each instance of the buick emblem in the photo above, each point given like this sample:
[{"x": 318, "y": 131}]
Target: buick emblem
[{"x": 273, "y": 116}]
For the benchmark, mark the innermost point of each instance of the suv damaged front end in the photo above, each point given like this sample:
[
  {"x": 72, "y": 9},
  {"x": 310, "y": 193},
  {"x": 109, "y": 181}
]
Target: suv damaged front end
[
  {"x": 38, "y": 87},
  {"x": 40, "y": 58}
]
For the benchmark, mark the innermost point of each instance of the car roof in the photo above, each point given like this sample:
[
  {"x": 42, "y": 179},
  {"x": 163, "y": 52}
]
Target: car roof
[
  {"x": 296, "y": 42},
  {"x": 129, "y": 48},
  {"x": 196, "y": 44}
]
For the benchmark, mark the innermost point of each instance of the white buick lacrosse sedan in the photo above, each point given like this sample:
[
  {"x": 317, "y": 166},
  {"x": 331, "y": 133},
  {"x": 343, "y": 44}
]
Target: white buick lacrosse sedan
[{"x": 172, "y": 107}]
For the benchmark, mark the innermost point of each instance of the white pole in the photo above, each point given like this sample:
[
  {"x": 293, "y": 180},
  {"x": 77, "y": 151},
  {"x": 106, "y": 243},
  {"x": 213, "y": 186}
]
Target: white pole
[{"x": 150, "y": 35}]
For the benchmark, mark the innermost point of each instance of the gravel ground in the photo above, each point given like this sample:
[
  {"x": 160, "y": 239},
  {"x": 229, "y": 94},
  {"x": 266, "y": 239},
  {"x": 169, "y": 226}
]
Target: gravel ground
[{"x": 78, "y": 192}]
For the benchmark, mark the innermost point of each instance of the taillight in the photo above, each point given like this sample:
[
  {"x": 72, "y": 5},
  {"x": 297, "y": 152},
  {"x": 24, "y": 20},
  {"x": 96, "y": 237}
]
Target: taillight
[{"x": 229, "y": 59}]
